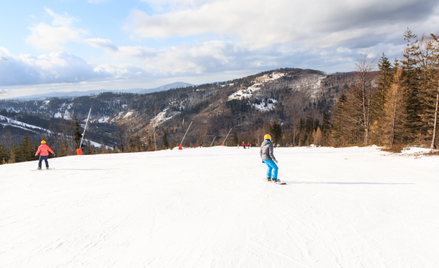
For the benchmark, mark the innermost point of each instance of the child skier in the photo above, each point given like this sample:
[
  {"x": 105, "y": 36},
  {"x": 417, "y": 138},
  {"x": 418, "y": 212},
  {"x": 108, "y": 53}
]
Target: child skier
[
  {"x": 44, "y": 150},
  {"x": 269, "y": 159}
]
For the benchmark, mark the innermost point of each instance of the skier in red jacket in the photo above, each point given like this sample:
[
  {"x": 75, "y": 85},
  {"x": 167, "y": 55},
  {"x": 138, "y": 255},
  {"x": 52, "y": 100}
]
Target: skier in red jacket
[{"x": 44, "y": 150}]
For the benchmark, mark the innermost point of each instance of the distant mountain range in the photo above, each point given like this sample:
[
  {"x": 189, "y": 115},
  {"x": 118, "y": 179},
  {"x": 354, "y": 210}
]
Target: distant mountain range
[{"x": 72, "y": 94}]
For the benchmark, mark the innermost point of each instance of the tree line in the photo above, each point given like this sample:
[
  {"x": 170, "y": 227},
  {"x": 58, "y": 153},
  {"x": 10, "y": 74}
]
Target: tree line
[{"x": 400, "y": 107}]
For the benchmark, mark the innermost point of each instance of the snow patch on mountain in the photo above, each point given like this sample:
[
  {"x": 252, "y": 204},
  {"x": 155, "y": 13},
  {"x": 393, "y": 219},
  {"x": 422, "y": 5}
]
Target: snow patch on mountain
[
  {"x": 103, "y": 119},
  {"x": 265, "y": 105},
  {"x": 129, "y": 114},
  {"x": 66, "y": 115},
  {"x": 162, "y": 117},
  {"x": 246, "y": 93},
  {"x": 312, "y": 83},
  {"x": 45, "y": 104}
]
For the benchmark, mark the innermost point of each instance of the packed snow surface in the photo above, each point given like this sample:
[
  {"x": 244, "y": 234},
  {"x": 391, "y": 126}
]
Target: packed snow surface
[{"x": 210, "y": 207}]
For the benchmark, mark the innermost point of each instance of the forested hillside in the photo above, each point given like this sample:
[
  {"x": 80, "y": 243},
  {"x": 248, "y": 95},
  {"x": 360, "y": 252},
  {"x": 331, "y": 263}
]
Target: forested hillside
[{"x": 250, "y": 105}]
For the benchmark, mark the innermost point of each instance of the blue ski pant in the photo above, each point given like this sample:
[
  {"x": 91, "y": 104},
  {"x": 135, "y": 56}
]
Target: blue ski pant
[
  {"x": 272, "y": 168},
  {"x": 45, "y": 160}
]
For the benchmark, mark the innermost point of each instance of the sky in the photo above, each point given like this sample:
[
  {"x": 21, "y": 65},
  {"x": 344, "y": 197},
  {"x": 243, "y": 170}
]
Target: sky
[{"x": 78, "y": 45}]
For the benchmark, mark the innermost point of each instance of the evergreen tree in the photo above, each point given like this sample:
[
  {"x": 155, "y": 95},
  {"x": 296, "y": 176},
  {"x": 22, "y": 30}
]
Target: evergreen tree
[
  {"x": 25, "y": 151},
  {"x": 4, "y": 153},
  {"x": 165, "y": 139},
  {"x": 339, "y": 129},
  {"x": 302, "y": 132},
  {"x": 385, "y": 80},
  {"x": 77, "y": 135},
  {"x": 410, "y": 83},
  {"x": 235, "y": 137},
  {"x": 276, "y": 129}
]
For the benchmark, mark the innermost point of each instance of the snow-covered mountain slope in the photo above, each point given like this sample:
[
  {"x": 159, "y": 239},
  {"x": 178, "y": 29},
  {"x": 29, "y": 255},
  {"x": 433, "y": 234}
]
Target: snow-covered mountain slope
[
  {"x": 209, "y": 207},
  {"x": 248, "y": 92},
  {"x": 8, "y": 122}
]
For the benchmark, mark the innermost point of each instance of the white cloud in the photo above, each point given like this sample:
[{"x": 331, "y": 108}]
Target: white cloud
[
  {"x": 101, "y": 43},
  {"x": 121, "y": 71},
  {"x": 55, "y": 67},
  {"x": 261, "y": 23},
  {"x": 52, "y": 37}
]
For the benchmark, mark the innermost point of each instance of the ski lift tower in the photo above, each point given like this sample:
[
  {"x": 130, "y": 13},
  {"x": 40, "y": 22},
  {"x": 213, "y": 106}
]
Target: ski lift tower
[{"x": 79, "y": 150}]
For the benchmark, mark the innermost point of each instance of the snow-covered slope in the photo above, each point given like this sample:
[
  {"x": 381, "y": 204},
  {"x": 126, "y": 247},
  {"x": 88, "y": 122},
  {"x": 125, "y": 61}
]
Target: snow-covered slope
[
  {"x": 8, "y": 122},
  {"x": 248, "y": 92},
  {"x": 209, "y": 207}
]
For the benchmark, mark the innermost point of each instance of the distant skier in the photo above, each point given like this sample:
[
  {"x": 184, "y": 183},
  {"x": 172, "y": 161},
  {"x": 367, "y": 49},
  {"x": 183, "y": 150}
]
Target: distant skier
[
  {"x": 43, "y": 151},
  {"x": 269, "y": 159},
  {"x": 243, "y": 145},
  {"x": 249, "y": 145}
]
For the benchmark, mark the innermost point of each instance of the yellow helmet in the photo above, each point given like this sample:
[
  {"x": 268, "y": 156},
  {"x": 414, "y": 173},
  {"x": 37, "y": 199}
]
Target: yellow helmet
[
  {"x": 267, "y": 137},
  {"x": 43, "y": 142}
]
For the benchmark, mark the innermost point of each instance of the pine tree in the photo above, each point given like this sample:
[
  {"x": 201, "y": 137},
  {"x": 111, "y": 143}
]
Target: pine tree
[
  {"x": 77, "y": 135},
  {"x": 24, "y": 151},
  {"x": 165, "y": 139},
  {"x": 235, "y": 137},
  {"x": 276, "y": 129},
  {"x": 385, "y": 80},
  {"x": 302, "y": 132},
  {"x": 4, "y": 153},
  {"x": 410, "y": 82}
]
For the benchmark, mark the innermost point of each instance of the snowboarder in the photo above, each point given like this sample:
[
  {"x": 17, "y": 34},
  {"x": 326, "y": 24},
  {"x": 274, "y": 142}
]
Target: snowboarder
[
  {"x": 43, "y": 151},
  {"x": 269, "y": 159}
]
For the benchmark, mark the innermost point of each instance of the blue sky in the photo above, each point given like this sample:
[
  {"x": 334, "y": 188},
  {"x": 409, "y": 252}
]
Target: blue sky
[{"x": 67, "y": 45}]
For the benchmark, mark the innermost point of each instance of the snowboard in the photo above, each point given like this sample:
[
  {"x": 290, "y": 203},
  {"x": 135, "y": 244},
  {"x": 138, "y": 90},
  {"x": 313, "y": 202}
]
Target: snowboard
[
  {"x": 279, "y": 182},
  {"x": 42, "y": 169}
]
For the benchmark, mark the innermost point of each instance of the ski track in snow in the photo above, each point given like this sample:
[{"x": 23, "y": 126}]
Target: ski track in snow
[{"x": 210, "y": 207}]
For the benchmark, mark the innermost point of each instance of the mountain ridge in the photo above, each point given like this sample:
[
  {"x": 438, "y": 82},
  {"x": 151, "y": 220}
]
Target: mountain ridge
[
  {"x": 72, "y": 94},
  {"x": 248, "y": 104}
]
